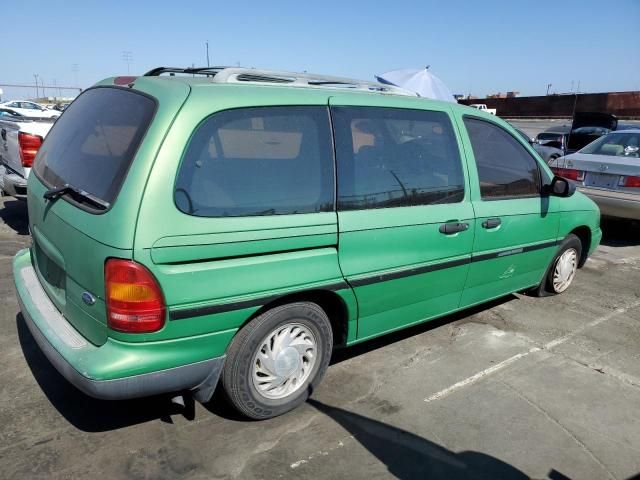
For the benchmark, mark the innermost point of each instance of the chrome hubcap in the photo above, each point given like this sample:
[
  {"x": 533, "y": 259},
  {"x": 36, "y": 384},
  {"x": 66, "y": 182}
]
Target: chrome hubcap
[
  {"x": 284, "y": 361},
  {"x": 565, "y": 270}
]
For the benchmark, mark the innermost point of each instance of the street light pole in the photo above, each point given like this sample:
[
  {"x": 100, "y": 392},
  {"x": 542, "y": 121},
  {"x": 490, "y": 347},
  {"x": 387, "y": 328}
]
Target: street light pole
[
  {"x": 207, "y": 43},
  {"x": 127, "y": 56},
  {"x": 35, "y": 75},
  {"x": 74, "y": 69},
  {"x": 548, "y": 87}
]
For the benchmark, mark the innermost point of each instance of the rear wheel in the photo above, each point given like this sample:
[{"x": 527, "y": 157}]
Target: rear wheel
[
  {"x": 562, "y": 270},
  {"x": 275, "y": 362}
]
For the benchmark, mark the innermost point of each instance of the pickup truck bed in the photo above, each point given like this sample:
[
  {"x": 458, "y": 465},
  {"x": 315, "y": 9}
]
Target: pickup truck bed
[{"x": 13, "y": 170}]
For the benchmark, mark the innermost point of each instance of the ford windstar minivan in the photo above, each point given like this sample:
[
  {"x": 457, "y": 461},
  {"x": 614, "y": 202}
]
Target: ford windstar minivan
[{"x": 192, "y": 226}]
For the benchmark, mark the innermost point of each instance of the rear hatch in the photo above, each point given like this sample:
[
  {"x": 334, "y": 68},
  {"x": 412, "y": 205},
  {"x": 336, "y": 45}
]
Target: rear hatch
[{"x": 98, "y": 156}]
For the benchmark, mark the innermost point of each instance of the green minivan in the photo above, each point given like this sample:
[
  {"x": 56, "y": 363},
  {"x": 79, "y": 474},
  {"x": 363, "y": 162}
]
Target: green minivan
[{"x": 192, "y": 226}]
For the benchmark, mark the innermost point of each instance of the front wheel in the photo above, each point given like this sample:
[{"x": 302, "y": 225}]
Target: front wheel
[
  {"x": 274, "y": 363},
  {"x": 563, "y": 268}
]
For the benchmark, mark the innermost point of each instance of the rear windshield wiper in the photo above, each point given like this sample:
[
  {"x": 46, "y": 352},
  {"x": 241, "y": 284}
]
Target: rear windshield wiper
[{"x": 55, "y": 193}]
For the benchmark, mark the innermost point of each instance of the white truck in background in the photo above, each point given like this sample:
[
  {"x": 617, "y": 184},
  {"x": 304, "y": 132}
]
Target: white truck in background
[
  {"x": 20, "y": 140},
  {"x": 483, "y": 107}
]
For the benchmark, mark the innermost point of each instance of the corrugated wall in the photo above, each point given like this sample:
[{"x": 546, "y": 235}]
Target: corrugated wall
[{"x": 622, "y": 104}]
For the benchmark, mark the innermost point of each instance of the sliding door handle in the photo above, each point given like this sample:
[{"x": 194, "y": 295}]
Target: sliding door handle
[
  {"x": 491, "y": 223},
  {"x": 453, "y": 227}
]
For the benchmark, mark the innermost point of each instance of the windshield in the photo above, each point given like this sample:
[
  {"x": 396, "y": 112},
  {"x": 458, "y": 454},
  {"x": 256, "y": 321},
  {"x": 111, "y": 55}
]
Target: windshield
[
  {"x": 92, "y": 145},
  {"x": 616, "y": 144}
]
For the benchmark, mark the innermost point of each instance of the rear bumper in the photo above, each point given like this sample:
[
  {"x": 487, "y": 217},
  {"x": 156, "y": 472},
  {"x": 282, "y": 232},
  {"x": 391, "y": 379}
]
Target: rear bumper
[
  {"x": 72, "y": 355},
  {"x": 614, "y": 204}
]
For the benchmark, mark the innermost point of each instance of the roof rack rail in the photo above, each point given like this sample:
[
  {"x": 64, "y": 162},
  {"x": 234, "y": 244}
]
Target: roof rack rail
[
  {"x": 222, "y": 74},
  {"x": 207, "y": 71}
]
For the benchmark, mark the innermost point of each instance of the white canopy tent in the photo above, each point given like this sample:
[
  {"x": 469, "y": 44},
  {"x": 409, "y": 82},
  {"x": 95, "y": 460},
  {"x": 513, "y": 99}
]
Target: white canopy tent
[{"x": 421, "y": 81}]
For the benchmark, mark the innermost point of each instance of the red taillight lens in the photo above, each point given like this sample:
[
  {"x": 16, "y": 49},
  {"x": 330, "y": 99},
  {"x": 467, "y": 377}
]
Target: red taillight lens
[
  {"x": 630, "y": 182},
  {"x": 134, "y": 300},
  {"x": 569, "y": 173},
  {"x": 29, "y": 146}
]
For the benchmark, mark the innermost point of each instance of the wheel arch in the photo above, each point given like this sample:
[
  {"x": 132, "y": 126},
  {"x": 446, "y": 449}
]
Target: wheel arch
[
  {"x": 584, "y": 235},
  {"x": 332, "y": 304}
]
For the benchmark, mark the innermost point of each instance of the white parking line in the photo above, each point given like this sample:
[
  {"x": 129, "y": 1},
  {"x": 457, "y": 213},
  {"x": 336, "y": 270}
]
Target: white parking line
[{"x": 547, "y": 346}]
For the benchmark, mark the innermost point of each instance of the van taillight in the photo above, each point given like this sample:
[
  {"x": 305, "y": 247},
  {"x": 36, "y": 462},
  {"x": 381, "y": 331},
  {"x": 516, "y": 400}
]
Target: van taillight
[
  {"x": 569, "y": 173},
  {"x": 630, "y": 182},
  {"x": 124, "y": 80},
  {"x": 29, "y": 146},
  {"x": 135, "y": 303}
]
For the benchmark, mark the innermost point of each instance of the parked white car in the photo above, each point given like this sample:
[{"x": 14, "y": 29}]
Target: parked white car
[
  {"x": 483, "y": 107},
  {"x": 20, "y": 140},
  {"x": 30, "y": 109},
  {"x": 607, "y": 171}
]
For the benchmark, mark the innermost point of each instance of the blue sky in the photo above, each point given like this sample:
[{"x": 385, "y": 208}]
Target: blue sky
[{"x": 474, "y": 46}]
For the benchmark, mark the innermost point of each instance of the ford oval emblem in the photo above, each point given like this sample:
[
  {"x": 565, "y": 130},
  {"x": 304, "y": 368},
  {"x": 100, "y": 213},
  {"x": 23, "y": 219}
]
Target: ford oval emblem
[{"x": 88, "y": 298}]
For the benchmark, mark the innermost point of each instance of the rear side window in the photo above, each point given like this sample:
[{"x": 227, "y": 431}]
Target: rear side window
[
  {"x": 389, "y": 157},
  {"x": 505, "y": 167},
  {"x": 258, "y": 161},
  {"x": 92, "y": 145}
]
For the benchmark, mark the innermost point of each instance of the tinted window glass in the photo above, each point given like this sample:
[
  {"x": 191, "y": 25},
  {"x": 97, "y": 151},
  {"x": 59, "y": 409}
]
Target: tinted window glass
[
  {"x": 616, "y": 144},
  {"x": 505, "y": 167},
  {"x": 92, "y": 145},
  {"x": 391, "y": 157},
  {"x": 258, "y": 161}
]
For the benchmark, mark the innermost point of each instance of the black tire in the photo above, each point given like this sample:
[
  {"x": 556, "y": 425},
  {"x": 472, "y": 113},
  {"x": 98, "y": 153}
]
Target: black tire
[
  {"x": 237, "y": 379},
  {"x": 546, "y": 287}
]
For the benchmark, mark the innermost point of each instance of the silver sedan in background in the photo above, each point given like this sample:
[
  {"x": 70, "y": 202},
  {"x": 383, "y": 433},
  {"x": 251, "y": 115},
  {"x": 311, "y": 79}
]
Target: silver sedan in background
[{"x": 608, "y": 171}]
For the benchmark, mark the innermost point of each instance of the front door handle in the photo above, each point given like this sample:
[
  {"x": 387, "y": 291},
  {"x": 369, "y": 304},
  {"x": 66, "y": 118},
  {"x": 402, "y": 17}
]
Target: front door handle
[
  {"x": 491, "y": 223},
  {"x": 453, "y": 227}
]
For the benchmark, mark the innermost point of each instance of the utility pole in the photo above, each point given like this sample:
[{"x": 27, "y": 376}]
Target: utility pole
[
  {"x": 74, "y": 69},
  {"x": 548, "y": 87},
  {"x": 35, "y": 75},
  {"x": 207, "y": 44},
  {"x": 127, "y": 56}
]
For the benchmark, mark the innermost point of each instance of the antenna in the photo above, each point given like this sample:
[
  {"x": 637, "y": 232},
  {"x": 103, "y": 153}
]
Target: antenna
[{"x": 573, "y": 115}]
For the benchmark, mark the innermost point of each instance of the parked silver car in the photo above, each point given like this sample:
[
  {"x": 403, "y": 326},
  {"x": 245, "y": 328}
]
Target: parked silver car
[
  {"x": 547, "y": 152},
  {"x": 608, "y": 171}
]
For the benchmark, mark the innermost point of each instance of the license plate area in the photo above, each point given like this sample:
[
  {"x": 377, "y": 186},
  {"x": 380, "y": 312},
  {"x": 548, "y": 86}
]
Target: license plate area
[
  {"x": 54, "y": 276},
  {"x": 602, "y": 180}
]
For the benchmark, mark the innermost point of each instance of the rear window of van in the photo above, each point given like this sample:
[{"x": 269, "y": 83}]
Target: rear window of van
[
  {"x": 258, "y": 161},
  {"x": 92, "y": 144}
]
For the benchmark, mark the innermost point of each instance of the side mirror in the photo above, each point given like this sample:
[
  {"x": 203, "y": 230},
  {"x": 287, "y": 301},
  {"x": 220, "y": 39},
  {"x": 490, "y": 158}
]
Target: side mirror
[{"x": 560, "y": 187}]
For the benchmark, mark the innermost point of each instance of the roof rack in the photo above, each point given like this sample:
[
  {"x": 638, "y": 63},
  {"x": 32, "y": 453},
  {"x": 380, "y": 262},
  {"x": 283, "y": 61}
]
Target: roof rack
[{"x": 222, "y": 74}]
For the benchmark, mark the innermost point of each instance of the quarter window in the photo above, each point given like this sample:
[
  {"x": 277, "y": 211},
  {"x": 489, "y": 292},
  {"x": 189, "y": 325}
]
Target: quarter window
[
  {"x": 390, "y": 157},
  {"x": 505, "y": 167},
  {"x": 258, "y": 161}
]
